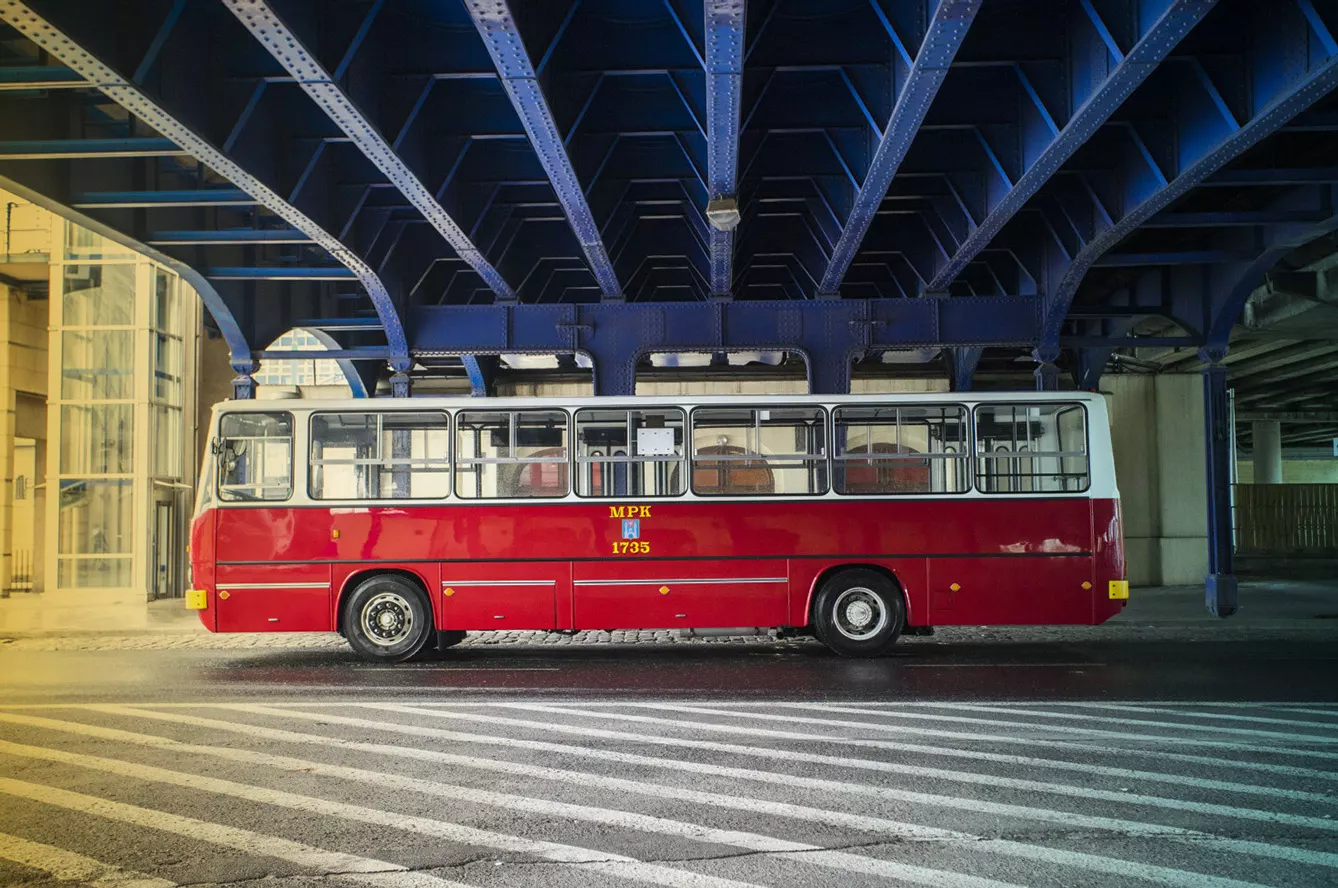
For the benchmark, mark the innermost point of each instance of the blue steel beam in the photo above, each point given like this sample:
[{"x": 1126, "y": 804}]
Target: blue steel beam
[
  {"x": 828, "y": 333},
  {"x": 28, "y": 77},
  {"x": 280, "y": 273},
  {"x": 943, "y": 37},
  {"x": 1157, "y": 42},
  {"x": 137, "y": 200},
  {"x": 277, "y": 37},
  {"x": 497, "y": 26},
  {"x": 1282, "y": 106},
  {"x": 120, "y": 90},
  {"x": 724, "y": 85},
  {"x": 79, "y": 149},
  {"x": 241, "y": 236}
]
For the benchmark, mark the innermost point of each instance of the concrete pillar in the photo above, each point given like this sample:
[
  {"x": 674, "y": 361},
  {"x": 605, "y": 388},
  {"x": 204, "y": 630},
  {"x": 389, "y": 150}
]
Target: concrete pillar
[
  {"x": 1267, "y": 451},
  {"x": 1157, "y": 438}
]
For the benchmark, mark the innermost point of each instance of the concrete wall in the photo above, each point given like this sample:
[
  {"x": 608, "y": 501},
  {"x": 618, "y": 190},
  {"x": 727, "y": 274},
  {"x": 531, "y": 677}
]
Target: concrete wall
[
  {"x": 1295, "y": 471},
  {"x": 1157, "y": 438}
]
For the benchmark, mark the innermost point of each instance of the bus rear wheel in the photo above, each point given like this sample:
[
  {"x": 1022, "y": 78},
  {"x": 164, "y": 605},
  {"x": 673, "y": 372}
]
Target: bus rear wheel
[
  {"x": 859, "y": 613},
  {"x": 387, "y": 619}
]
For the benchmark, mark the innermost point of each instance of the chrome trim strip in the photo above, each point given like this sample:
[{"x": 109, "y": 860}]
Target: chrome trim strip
[
  {"x": 692, "y": 582},
  {"x": 499, "y": 582},
  {"x": 230, "y": 586}
]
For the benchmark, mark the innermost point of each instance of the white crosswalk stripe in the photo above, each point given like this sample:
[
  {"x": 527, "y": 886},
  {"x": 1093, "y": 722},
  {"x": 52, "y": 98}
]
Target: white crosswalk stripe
[
  {"x": 67, "y": 866},
  {"x": 694, "y": 794},
  {"x": 692, "y": 832}
]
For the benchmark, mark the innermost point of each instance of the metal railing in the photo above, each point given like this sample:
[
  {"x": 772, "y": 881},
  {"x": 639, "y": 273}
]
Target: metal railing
[{"x": 1287, "y": 519}]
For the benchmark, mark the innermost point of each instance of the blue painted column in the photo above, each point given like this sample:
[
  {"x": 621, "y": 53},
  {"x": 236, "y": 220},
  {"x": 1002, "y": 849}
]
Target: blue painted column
[
  {"x": 1220, "y": 584},
  {"x": 400, "y": 383},
  {"x": 244, "y": 384},
  {"x": 1047, "y": 371}
]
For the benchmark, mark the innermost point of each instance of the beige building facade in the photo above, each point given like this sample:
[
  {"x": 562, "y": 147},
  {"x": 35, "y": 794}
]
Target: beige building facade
[{"x": 99, "y": 448}]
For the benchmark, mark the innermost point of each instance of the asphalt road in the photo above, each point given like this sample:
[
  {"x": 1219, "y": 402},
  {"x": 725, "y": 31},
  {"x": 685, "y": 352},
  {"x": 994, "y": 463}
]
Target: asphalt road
[{"x": 967, "y": 765}]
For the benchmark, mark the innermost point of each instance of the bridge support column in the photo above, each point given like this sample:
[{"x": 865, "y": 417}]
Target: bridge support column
[
  {"x": 1220, "y": 584},
  {"x": 482, "y": 372},
  {"x": 828, "y": 372},
  {"x": 244, "y": 384},
  {"x": 400, "y": 384},
  {"x": 1267, "y": 436},
  {"x": 1047, "y": 371},
  {"x": 615, "y": 371}
]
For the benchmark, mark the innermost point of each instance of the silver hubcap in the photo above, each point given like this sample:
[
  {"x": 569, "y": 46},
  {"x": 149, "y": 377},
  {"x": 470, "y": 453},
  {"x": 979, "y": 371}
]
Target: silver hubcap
[
  {"x": 860, "y": 614},
  {"x": 387, "y": 619}
]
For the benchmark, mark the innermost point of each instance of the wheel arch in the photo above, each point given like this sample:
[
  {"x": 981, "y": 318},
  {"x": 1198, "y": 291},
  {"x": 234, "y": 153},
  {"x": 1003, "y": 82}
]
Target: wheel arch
[
  {"x": 877, "y": 568},
  {"x": 353, "y": 580}
]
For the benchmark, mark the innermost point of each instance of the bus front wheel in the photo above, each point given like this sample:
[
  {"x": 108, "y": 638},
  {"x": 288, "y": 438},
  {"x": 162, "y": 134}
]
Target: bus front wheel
[
  {"x": 859, "y": 613},
  {"x": 387, "y": 619}
]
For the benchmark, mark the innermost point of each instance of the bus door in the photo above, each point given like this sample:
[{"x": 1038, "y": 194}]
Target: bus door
[{"x": 482, "y": 595}]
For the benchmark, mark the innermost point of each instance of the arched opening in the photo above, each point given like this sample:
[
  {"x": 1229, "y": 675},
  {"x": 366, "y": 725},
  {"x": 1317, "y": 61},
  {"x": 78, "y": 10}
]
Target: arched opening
[{"x": 314, "y": 377}]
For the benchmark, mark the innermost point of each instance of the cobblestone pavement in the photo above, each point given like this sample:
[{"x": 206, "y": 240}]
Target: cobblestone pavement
[{"x": 1224, "y": 631}]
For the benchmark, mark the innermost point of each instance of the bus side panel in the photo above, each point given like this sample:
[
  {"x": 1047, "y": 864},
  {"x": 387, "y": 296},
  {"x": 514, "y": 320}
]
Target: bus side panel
[
  {"x": 689, "y": 594},
  {"x": 1011, "y": 590},
  {"x": 502, "y": 595},
  {"x": 274, "y": 598},
  {"x": 1108, "y": 555},
  {"x": 911, "y": 574},
  {"x": 203, "y": 556}
]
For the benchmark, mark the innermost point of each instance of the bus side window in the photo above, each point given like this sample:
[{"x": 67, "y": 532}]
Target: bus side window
[
  {"x": 630, "y": 452},
  {"x": 511, "y": 454},
  {"x": 745, "y": 451},
  {"x": 1032, "y": 448},
  {"x": 255, "y": 457},
  {"x": 885, "y": 450},
  {"x": 379, "y": 456}
]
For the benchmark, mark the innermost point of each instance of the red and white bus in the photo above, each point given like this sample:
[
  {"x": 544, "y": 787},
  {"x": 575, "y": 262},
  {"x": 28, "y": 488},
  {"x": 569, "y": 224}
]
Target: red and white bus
[{"x": 404, "y": 524}]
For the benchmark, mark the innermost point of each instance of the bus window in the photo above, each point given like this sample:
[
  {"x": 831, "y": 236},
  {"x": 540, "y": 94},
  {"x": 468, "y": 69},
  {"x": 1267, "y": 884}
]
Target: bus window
[
  {"x": 255, "y": 457},
  {"x": 740, "y": 451},
  {"x": 629, "y": 452},
  {"x": 379, "y": 456},
  {"x": 900, "y": 450},
  {"x": 1032, "y": 448},
  {"x": 505, "y": 454}
]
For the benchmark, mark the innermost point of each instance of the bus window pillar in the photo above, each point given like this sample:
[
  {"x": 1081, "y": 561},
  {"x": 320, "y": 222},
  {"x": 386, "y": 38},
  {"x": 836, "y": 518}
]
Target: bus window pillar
[
  {"x": 244, "y": 383},
  {"x": 1220, "y": 584},
  {"x": 1047, "y": 371}
]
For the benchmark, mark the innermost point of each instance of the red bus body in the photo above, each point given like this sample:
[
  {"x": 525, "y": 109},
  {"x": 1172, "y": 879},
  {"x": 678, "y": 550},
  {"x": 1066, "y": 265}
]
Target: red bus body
[
  {"x": 729, "y": 564},
  {"x": 711, "y": 563}
]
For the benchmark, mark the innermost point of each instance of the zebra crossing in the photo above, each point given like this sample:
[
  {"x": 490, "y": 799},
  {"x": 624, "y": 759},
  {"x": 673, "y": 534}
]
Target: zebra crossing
[{"x": 682, "y": 794}]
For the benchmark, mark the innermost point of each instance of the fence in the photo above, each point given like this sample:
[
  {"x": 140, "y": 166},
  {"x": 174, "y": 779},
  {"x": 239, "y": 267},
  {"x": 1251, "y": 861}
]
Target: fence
[{"x": 1287, "y": 519}]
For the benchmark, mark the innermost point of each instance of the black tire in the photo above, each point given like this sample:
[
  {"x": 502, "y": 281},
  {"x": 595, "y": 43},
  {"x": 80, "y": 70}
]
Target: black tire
[
  {"x": 387, "y": 619},
  {"x": 859, "y": 613}
]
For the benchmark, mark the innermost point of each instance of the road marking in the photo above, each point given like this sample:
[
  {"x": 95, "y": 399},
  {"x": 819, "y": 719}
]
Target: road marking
[
  {"x": 615, "y": 865},
  {"x": 67, "y": 866},
  {"x": 461, "y": 710},
  {"x": 347, "y": 867},
  {"x": 1094, "y": 733},
  {"x": 1160, "y": 710},
  {"x": 1105, "y": 719},
  {"x": 1287, "y": 770},
  {"x": 689, "y": 831}
]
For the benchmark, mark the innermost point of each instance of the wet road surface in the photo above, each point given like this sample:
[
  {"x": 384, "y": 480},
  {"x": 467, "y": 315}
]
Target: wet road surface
[{"x": 965, "y": 765}]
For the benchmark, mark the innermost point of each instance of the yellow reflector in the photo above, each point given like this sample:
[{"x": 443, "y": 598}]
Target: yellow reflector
[
  {"x": 1119, "y": 589},
  {"x": 197, "y": 600}
]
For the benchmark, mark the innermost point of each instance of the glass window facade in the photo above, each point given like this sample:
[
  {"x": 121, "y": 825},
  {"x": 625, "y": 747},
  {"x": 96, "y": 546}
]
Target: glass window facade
[{"x": 122, "y": 343}]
